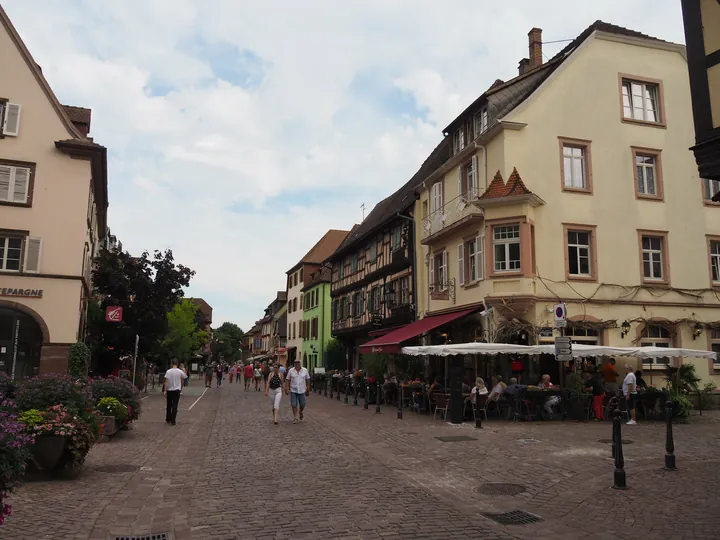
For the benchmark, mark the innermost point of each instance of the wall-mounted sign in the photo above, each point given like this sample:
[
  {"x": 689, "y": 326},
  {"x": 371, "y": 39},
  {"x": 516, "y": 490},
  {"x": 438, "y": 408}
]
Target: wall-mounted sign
[
  {"x": 113, "y": 314},
  {"x": 22, "y": 293}
]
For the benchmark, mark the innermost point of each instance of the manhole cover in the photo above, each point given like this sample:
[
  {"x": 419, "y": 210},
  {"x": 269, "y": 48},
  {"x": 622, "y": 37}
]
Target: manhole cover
[
  {"x": 528, "y": 441},
  {"x": 157, "y": 536},
  {"x": 498, "y": 488},
  {"x": 515, "y": 517},
  {"x": 120, "y": 468},
  {"x": 609, "y": 441},
  {"x": 455, "y": 438}
]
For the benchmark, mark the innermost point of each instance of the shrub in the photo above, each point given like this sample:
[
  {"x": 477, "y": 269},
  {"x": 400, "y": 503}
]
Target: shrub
[
  {"x": 48, "y": 390},
  {"x": 14, "y": 454},
  {"x": 78, "y": 360},
  {"x": 110, "y": 406},
  {"x": 7, "y": 386},
  {"x": 681, "y": 404},
  {"x": 121, "y": 389}
]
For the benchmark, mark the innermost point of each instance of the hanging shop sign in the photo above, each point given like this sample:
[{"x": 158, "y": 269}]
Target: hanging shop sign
[{"x": 22, "y": 293}]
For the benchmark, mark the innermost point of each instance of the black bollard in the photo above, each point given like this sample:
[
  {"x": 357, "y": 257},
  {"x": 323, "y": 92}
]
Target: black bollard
[
  {"x": 347, "y": 391},
  {"x": 331, "y": 387},
  {"x": 326, "y": 385},
  {"x": 377, "y": 399},
  {"x": 355, "y": 388},
  {"x": 400, "y": 401},
  {"x": 367, "y": 396},
  {"x": 612, "y": 425},
  {"x": 478, "y": 415},
  {"x": 619, "y": 481},
  {"x": 669, "y": 442}
]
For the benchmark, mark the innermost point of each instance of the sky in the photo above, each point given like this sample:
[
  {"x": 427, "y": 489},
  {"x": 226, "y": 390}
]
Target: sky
[{"x": 239, "y": 132}]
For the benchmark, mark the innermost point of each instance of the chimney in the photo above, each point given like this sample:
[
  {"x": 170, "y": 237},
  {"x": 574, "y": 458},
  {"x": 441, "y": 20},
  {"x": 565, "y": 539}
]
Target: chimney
[
  {"x": 535, "y": 47},
  {"x": 523, "y": 66}
]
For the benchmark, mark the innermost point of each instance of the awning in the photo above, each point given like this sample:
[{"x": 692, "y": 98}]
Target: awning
[
  {"x": 391, "y": 342},
  {"x": 384, "y": 331},
  {"x": 577, "y": 350}
]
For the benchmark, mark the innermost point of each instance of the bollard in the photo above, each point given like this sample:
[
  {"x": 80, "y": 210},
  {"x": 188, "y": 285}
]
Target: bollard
[
  {"x": 619, "y": 476},
  {"x": 669, "y": 442},
  {"x": 478, "y": 416},
  {"x": 331, "y": 387},
  {"x": 347, "y": 391},
  {"x": 377, "y": 399},
  {"x": 355, "y": 388},
  {"x": 326, "y": 385},
  {"x": 367, "y": 396},
  {"x": 338, "y": 388},
  {"x": 612, "y": 425},
  {"x": 400, "y": 401}
]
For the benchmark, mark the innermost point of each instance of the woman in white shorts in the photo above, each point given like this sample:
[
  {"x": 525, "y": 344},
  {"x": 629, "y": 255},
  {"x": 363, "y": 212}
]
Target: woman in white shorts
[{"x": 273, "y": 388}]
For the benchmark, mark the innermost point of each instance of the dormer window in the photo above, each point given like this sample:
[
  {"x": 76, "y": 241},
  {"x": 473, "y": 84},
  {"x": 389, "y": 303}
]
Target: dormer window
[
  {"x": 458, "y": 140},
  {"x": 481, "y": 121}
]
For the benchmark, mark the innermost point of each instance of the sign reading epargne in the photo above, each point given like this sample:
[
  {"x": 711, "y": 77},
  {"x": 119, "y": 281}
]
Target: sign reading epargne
[{"x": 23, "y": 293}]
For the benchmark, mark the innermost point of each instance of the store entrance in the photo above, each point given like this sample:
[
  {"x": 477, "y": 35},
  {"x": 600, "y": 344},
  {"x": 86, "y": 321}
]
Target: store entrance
[{"x": 20, "y": 344}]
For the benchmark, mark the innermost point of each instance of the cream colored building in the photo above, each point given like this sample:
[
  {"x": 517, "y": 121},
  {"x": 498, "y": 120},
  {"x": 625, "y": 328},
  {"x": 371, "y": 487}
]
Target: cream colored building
[
  {"x": 573, "y": 183},
  {"x": 53, "y": 200}
]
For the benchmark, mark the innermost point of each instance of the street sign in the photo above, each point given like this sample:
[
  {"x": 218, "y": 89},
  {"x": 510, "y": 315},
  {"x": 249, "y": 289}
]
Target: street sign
[
  {"x": 563, "y": 349},
  {"x": 560, "y": 313},
  {"x": 113, "y": 314}
]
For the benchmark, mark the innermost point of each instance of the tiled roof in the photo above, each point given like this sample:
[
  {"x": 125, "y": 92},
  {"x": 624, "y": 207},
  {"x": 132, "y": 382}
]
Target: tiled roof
[
  {"x": 323, "y": 249},
  {"x": 387, "y": 209},
  {"x": 81, "y": 115},
  {"x": 498, "y": 188}
]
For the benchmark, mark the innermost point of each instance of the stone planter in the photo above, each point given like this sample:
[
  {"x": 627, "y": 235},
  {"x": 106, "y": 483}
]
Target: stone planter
[
  {"x": 109, "y": 427},
  {"x": 47, "y": 451}
]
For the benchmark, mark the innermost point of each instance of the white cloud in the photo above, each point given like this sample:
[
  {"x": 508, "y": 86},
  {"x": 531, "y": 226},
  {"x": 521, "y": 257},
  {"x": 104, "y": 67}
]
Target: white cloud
[{"x": 196, "y": 161}]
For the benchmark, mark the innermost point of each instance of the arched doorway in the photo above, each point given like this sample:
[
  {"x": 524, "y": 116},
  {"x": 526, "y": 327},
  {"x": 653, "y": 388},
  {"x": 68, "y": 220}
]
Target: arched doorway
[{"x": 21, "y": 340}]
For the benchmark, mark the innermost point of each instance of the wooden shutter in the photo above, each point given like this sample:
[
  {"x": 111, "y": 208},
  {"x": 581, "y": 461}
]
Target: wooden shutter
[
  {"x": 11, "y": 125},
  {"x": 445, "y": 269},
  {"x": 432, "y": 271},
  {"x": 461, "y": 264},
  {"x": 5, "y": 178},
  {"x": 480, "y": 256},
  {"x": 473, "y": 189},
  {"x": 460, "y": 181},
  {"x": 21, "y": 185},
  {"x": 33, "y": 248}
]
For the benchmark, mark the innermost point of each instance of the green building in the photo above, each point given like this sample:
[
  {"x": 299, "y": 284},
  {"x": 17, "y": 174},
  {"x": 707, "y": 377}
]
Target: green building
[{"x": 315, "y": 327}]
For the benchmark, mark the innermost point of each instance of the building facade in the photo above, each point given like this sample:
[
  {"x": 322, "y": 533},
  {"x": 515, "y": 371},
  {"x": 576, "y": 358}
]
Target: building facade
[
  {"x": 53, "y": 203},
  {"x": 298, "y": 277},
  {"x": 316, "y": 329},
  {"x": 572, "y": 183}
]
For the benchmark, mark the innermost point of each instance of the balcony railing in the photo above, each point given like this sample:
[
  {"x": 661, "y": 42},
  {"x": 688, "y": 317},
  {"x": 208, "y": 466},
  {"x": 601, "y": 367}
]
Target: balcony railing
[{"x": 453, "y": 211}]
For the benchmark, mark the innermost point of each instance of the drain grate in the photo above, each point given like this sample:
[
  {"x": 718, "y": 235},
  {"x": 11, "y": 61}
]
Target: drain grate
[
  {"x": 528, "y": 441},
  {"x": 609, "y": 441},
  {"x": 156, "y": 536},
  {"x": 456, "y": 438},
  {"x": 499, "y": 488},
  {"x": 515, "y": 517},
  {"x": 116, "y": 469}
]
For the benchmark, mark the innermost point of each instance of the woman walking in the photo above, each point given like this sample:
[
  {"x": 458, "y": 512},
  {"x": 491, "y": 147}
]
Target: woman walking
[
  {"x": 273, "y": 388},
  {"x": 257, "y": 373}
]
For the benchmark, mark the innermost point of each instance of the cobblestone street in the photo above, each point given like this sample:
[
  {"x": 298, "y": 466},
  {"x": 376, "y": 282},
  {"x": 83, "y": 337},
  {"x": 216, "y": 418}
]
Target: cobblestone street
[{"x": 225, "y": 472}]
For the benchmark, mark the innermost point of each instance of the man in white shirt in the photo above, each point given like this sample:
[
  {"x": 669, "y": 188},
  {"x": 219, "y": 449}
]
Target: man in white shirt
[
  {"x": 629, "y": 388},
  {"x": 174, "y": 379},
  {"x": 297, "y": 386}
]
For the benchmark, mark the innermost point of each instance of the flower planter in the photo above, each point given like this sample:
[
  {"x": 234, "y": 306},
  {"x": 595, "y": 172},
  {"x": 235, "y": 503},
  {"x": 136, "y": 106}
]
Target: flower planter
[
  {"x": 47, "y": 450},
  {"x": 109, "y": 426}
]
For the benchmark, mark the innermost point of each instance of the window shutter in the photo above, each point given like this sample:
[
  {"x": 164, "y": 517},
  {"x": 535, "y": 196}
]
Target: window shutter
[
  {"x": 22, "y": 181},
  {"x": 432, "y": 271},
  {"x": 5, "y": 176},
  {"x": 480, "y": 256},
  {"x": 460, "y": 181},
  {"x": 461, "y": 264},
  {"x": 474, "y": 179},
  {"x": 33, "y": 247},
  {"x": 445, "y": 269},
  {"x": 11, "y": 126}
]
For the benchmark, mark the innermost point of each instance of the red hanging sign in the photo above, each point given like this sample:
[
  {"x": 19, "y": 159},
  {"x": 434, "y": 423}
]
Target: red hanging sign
[{"x": 113, "y": 314}]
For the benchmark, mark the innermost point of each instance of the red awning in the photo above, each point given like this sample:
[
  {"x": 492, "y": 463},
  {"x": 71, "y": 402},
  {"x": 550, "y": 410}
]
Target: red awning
[
  {"x": 392, "y": 342},
  {"x": 384, "y": 331}
]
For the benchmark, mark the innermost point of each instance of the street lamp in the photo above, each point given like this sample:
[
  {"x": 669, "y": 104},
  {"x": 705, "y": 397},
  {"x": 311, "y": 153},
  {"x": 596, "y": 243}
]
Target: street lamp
[{"x": 625, "y": 329}]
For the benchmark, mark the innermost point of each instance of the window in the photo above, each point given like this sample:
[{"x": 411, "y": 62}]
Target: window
[
  {"x": 377, "y": 299},
  {"x": 653, "y": 257},
  {"x": 575, "y": 165},
  {"x": 396, "y": 238},
  {"x": 655, "y": 335},
  {"x": 19, "y": 252},
  {"x": 467, "y": 180},
  {"x": 16, "y": 182},
  {"x": 710, "y": 189},
  {"x": 506, "y": 246},
  {"x": 471, "y": 260},
  {"x": 358, "y": 304},
  {"x": 715, "y": 260},
  {"x": 293, "y": 331},
  {"x": 437, "y": 196},
  {"x": 715, "y": 346},
  {"x": 641, "y": 101},
  {"x": 648, "y": 173},
  {"x": 481, "y": 121},
  {"x": 295, "y": 279},
  {"x": 583, "y": 336},
  {"x": 314, "y": 330},
  {"x": 341, "y": 270},
  {"x": 301, "y": 274},
  {"x": 580, "y": 253},
  {"x": 354, "y": 263},
  {"x": 438, "y": 272},
  {"x": 295, "y": 300},
  {"x": 404, "y": 291},
  {"x": 9, "y": 119},
  {"x": 458, "y": 140}
]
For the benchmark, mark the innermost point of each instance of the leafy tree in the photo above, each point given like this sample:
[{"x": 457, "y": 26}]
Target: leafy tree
[
  {"x": 227, "y": 340},
  {"x": 185, "y": 337},
  {"x": 146, "y": 287}
]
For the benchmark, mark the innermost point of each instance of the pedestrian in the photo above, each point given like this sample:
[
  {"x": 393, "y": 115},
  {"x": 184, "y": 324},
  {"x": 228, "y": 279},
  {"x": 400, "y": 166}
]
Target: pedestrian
[
  {"x": 610, "y": 376},
  {"x": 298, "y": 388},
  {"x": 208, "y": 376},
  {"x": 257, "y": 373},
  {"x": 174, "y": 378},
  {"x": 185, "y": 371},
  {"x": 594, "y": 383},
  {"x": 629, "y": 388},
  {"x": 231, "y": 373},
  {"x": 273, "y": 388},
  {"x": 219, "y": 374},
  {"x": 248, "y": 375}
]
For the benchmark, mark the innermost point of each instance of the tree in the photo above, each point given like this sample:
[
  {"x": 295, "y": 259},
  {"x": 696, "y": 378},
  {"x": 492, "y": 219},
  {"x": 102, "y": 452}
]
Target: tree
[
  {"x": 227, "y": 340},
  {"x": 185, "y": 337},
  {"x": 147, "y": 288}
]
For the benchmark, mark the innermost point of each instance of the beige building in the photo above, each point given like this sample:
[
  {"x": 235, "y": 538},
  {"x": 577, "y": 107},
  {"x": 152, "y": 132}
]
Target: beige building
[
  {"x": 573, "y": 183},
  {"x": 53, "y": 201}
]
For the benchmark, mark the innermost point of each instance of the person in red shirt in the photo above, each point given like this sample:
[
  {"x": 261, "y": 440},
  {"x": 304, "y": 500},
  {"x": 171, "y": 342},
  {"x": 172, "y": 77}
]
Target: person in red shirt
[{"x": 248, "y": 376}]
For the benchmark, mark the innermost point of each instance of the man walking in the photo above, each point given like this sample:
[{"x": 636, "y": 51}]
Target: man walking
[
  {"x": 297, "y": 386},
  {"x": 174, "y": 378},
  {"x": 629, "y": 389}
]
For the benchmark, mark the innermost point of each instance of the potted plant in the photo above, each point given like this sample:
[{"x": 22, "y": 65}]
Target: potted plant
[
  {"x": 577, "y": 397},
  {"x": 122, "y": 390},
  {"x": 113, "y": 415},
  {"x": 50, "y": 436},
  {"x": 14, "y": 454}
]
